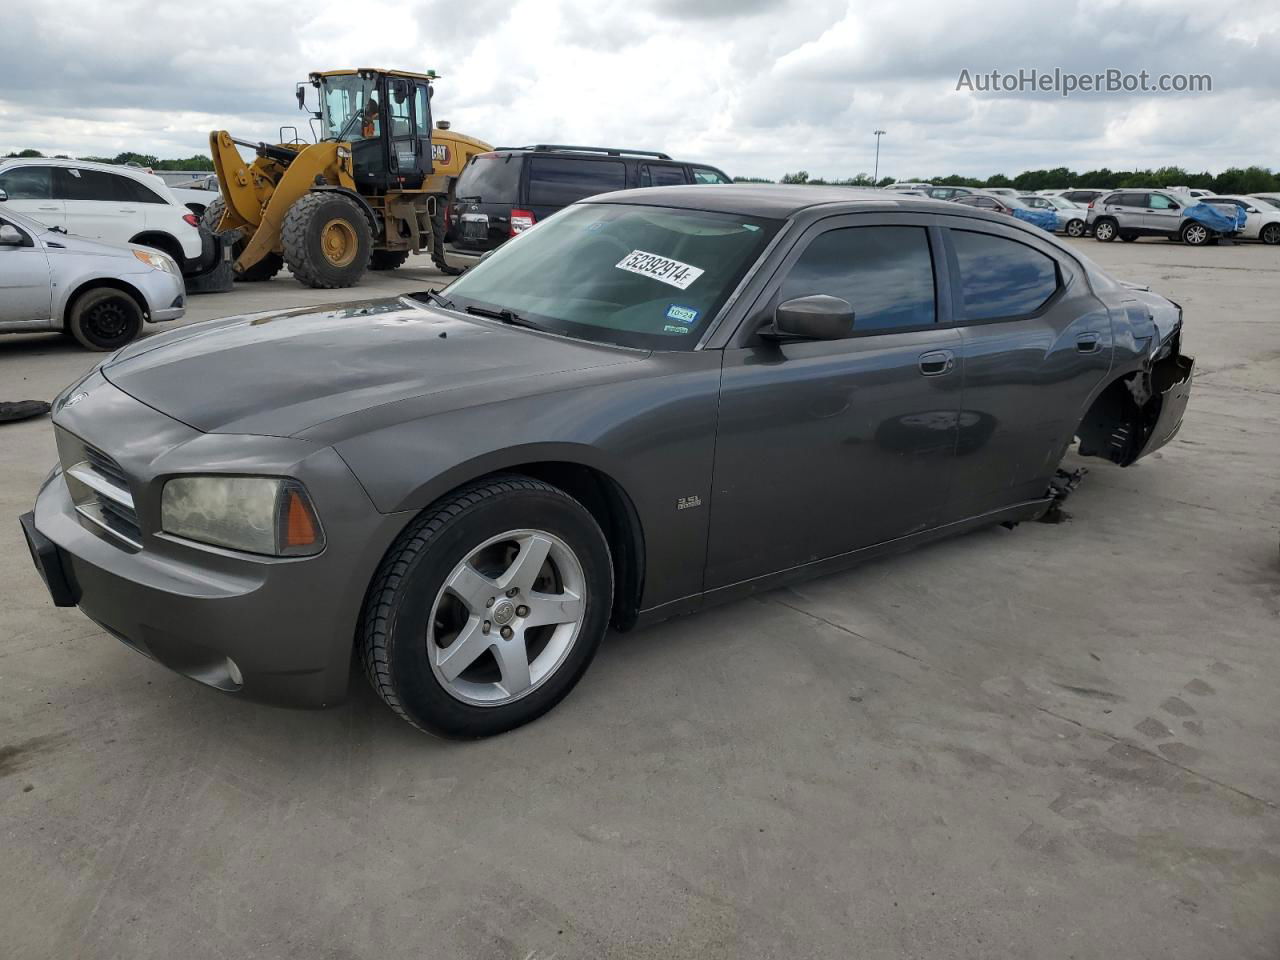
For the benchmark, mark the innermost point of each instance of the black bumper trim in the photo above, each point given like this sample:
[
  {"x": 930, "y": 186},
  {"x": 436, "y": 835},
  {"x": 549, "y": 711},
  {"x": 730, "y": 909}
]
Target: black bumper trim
[{"x": 48, "y": 562}]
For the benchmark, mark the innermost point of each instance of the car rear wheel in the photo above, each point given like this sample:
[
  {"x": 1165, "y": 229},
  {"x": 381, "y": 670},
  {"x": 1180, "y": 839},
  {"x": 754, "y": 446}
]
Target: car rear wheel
[
  {"x": 1104, "y": 230},
  {"x": 264, "y": 269},
  {"x": 1270, "y": 234},
  {"x": 104, "y": 319},
  {"x": 488, "y": 609},
  {"x": 1075, "y": 228},
  {"x": 1195, "y": 234}
]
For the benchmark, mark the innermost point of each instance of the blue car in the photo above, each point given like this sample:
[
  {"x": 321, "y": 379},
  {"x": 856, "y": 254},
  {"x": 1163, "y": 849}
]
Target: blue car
[{"x": 1011, "y": 206}]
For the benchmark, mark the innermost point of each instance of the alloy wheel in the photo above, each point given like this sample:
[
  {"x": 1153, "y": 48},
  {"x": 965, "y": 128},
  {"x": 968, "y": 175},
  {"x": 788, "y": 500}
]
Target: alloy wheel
[{"x": 506, "y": 617}]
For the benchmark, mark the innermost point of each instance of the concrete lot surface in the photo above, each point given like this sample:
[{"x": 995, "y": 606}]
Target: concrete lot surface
[{"x": 1051, "y": 742}]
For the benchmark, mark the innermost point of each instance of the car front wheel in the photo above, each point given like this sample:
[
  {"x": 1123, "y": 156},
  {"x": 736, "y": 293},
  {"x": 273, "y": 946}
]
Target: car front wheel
[
  {"x": 104, "y": 319},
  {"x": 488, "y": 608},
  {"x": 1195, "y": 234},
  {"x": 1104, "y": 230}
]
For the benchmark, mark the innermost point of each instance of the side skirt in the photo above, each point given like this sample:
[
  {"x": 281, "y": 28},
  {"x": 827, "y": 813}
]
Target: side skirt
[{"x": 1028, "y": 510}]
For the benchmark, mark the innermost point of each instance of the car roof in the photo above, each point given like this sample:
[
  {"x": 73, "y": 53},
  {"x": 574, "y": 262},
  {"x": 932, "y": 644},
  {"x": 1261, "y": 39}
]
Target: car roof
[{"x": 770, "y": 200}]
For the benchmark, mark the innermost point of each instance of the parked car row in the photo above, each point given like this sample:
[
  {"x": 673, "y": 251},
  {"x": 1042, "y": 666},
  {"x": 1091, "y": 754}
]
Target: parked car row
[{"x": 1195, "y": 217}]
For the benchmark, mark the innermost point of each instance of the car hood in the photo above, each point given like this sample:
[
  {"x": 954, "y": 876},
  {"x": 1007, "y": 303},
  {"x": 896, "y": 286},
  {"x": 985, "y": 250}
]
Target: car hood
[{"x": 279, "y": 374}]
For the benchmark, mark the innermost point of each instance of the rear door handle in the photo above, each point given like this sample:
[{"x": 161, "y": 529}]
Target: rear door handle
[
  {"x": 935, "y": 363},
  {"x": 1089, "y": 342},
  {"x": 47, "y": 208}
]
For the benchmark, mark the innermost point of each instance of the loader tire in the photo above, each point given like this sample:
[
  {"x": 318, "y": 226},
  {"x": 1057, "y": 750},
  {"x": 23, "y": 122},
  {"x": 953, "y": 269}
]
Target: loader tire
[
  {"x": 264, "y": 269},
  {"x": 388, "y": 259},
  {"x": 327, "y": 241}
]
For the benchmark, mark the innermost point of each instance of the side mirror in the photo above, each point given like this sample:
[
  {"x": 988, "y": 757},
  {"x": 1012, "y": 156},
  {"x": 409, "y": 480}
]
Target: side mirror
[
  {"x": 10, "y": 237},
  {"x": 817, "y": 317},
  {"x": 302, "y": 96}
]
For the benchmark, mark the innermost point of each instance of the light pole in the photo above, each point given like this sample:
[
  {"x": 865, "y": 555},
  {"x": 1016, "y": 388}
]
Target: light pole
[{"x": 875, "y": 177}]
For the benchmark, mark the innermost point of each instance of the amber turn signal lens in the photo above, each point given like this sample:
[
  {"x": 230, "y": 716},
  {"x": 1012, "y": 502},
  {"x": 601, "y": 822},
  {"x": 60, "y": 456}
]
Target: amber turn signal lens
[{"x": 300, "y": 525}]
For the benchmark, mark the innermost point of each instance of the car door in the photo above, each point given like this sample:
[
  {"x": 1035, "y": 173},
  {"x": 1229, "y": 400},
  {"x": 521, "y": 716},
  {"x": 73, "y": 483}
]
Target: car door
[
  {"x": 97, "y": 205},
  {"x": 29, "y": 188},
  {"x": 1035, "y": 345},
  {"x": 25, "y": 293},
  {"x": 1162, "y": 214},
  {"x": 823, "y": 447}
]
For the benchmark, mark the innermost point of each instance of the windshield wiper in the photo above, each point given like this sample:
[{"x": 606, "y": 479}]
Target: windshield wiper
[
  {"x": 443, "y": 301},
  {"x": 503, "y": 314}
]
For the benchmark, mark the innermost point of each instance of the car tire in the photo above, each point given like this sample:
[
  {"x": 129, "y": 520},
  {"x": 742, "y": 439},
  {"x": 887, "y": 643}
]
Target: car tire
[
  {"x": 1104, "y": 231},
  {"x": 1194, "y": 234},
  {"x": 104, "y": 318},
  {"x": 327, "y": 240},
  {"x": 443, "y": 587},
  {"x": 1075, "y": 228},
  {"x": 388, "y": 259},
  {"x": 1270, "y": 234},
  {"x": 264, "y": 269}
]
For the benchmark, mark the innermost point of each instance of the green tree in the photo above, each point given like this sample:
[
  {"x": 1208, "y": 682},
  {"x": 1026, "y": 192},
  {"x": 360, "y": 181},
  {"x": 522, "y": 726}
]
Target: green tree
[{"x": 801, "y": 176}]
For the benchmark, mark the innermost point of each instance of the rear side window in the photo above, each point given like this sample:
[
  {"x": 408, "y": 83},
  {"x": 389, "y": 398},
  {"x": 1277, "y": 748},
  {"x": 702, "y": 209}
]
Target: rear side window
[
  {"x": 560, "y": 181},
  {"x": 886, "y": 273},
  {"x": 135, "y": 192},
  {"x": 27, "y": 183},
  {"x": 72, "y": 184},
  {"x": 709, "y": 175},
  {"x": 1000, "y": 277},
  {"x": 490, "y": 178},
  {"x": 661, "y": 175}
]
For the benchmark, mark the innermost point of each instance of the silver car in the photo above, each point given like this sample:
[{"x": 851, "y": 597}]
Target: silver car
[
  {"x": 100, "y": 293},
  {"x": 1071, "y": 216},
  {"x": 1133, "y": 213}
]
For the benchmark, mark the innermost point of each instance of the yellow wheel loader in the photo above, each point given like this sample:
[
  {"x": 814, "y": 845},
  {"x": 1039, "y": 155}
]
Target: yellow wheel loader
[{"x": 372, "y": 190}]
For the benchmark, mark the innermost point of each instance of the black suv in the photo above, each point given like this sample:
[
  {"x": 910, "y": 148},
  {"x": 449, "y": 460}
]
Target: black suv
[{"x": 504, "y": 192}]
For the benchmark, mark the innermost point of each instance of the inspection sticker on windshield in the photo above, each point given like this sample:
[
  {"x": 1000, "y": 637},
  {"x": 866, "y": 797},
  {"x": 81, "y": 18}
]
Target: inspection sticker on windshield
[
  {"x": 663, "y": 269},
  {"x": 681, "y": 314}
]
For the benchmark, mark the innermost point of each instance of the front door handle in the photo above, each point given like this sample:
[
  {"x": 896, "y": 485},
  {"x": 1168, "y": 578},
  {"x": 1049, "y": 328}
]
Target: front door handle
[
  {"x": 1089, "y": 342},
  {"x": 935, "y": 363}
]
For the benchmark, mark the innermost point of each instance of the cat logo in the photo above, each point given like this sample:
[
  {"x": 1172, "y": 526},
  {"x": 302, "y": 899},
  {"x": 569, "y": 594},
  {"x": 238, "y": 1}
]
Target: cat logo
[{"x": 439, "y": 153}]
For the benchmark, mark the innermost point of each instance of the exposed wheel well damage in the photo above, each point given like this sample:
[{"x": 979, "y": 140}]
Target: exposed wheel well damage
[{"x": 1120, "y": 423}]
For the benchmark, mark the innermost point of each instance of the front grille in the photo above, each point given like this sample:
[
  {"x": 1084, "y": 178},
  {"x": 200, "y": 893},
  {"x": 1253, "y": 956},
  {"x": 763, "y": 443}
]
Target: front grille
[{"x": 100, "y": 491}]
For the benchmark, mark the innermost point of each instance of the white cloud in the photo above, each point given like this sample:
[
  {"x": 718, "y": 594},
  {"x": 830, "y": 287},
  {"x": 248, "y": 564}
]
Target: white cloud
[{"x": 758, "y": 87}]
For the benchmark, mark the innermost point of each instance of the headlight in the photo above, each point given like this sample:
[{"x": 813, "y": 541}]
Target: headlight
[
  {"x": 268, "y": 515},
  {"x": 157, "y": 260}
]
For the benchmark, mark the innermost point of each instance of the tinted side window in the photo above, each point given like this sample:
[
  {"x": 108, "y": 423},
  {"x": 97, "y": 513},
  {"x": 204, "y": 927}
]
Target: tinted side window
[
  {"x": 886, "y": 273},
  {"x": 26, "y": 183},
  {"x": 560, "y": 181},
  {"x": 661, "y": 175},
  {"x": 1159, "y": 201},
  {"x": 1001, "y": 278},
  {"x": 72, "y": 184},
  {"x": 135, "y": 192}
]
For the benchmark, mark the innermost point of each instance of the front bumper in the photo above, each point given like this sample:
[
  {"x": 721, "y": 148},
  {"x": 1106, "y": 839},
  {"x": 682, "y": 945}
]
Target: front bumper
[
  {"x": 273, "y": 630},
  {"x": 166, "y": 294}
]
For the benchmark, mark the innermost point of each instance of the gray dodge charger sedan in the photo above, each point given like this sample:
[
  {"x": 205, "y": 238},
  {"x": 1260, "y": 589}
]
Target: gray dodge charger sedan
[{"x": 654, "y": 400}]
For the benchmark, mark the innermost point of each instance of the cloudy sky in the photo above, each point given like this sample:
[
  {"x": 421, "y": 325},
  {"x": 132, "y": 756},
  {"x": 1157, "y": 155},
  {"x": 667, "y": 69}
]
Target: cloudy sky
[{"x": 758, "y": 87}]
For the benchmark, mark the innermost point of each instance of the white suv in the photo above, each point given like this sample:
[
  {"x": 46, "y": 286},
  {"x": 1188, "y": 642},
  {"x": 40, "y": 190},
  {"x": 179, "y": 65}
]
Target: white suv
[{"x": 105, "y": 202}]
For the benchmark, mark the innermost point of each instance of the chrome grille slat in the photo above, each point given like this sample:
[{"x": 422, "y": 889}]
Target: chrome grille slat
[{"x": 100, "y": 490}]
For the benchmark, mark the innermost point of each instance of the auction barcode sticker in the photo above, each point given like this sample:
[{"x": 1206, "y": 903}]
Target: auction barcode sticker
[{"x": 664, "y": 269}]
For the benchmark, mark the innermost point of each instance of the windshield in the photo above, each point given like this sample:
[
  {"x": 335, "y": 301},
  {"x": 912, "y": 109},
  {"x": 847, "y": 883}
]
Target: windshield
[
  {"x": 638, "y": 276},
  {"x": 344, "y": 101}
]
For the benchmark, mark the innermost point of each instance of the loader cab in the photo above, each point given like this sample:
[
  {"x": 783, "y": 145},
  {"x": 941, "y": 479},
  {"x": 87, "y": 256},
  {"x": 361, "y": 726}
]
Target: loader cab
[{"x": 386, "y": 118}]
